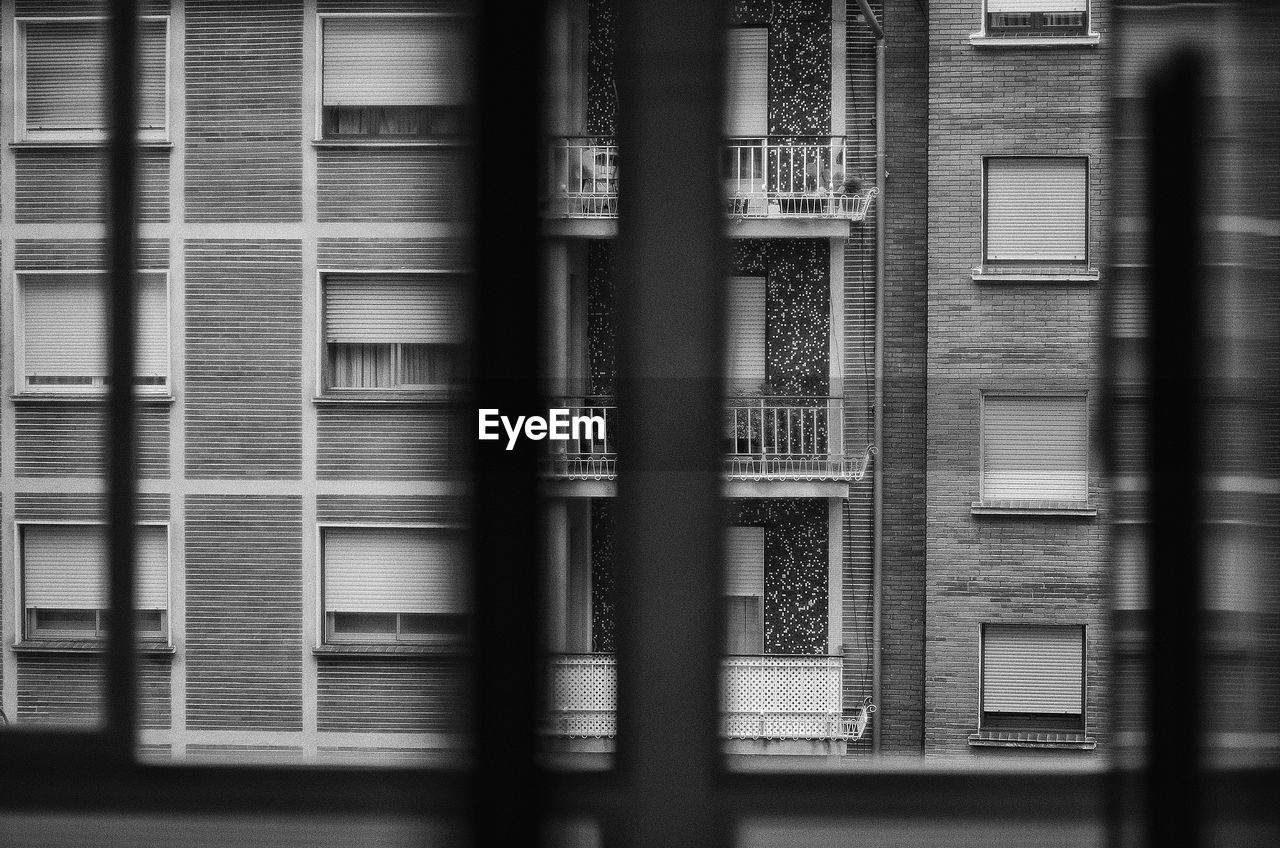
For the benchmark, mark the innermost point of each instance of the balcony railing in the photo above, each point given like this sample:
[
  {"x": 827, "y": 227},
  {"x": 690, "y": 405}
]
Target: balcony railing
[
  {"x": 763, "y": 697},
  {"x": 763, "y": 178},
  {"x": 774, "y": 438}
]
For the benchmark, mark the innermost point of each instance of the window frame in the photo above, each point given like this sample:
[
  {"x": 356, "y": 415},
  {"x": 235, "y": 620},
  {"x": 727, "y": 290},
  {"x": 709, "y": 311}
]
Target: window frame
[
  {"x": 1031, "y": 36},
  {"x": 318, "y": 136},
  {"x": 99, "y": 389},
  {"x": 1063, "y": 264},
  {"x": 25, "y": 630},
  {"x": 410, "y": 392},
  {"x": 324, "y": 626},
  {"x": 982, "y": 720},
  {"x": 22, "y": 135},
  {"x": 1039, "y": 504}
]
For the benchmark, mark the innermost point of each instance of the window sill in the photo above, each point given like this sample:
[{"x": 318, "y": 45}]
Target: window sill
[
  {"x": 991, "y": 275},
  {"x": 387, "y": 650},
  {"x": 85, "y": 143},
  {"x": 41, "y": 647},
  {"x": 1036, "y": 739},
  {"x": 1041, "y": 508},
  {"x": 81, "y": 397},
  {"x": 979, "y": 39},
  {"x": 387, "y": 142}
]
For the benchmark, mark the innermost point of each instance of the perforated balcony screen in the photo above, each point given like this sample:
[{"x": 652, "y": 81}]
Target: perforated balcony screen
[
  {"x": 1036, "y": 209},
  {"x": 392, "y": 308},
  {"x": 65, "y": 325},
  {"x": 746, "y": 334},
  {"x": 1034, "y": 448},
  {"x": 393, "y": 569},
  {"x": 744, "y": 561},
  {"x": 1032, "y": 669},
  {"x": 65, "y": 566},
  {"x": 747, "y": 97},
  {"x": 1036, "y": 5},
  {"x": 394, "y": 62},
  {"x": 64, "y": 74}
]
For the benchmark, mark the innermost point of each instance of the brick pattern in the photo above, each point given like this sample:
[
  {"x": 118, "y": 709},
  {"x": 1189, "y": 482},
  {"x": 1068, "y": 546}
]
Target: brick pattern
[
  {"x": 244, "y": 359},
  {"x": 244, "y": 612},
  {"x": 392, "y": 254},
  {"x": 244, "y": 110},
  {"x": 68, "y": 691},
  {"x": 387, "y": 184},
  {"x": 83, "y": 254},
  {"x": 383, "y": 442},
  {"x": 382, "y": 509},
  {"x": 58, "y": 438},
  {"x": 401, "y": 694},
  {"x": 61, "y": 185},
  {"x": 83, "y": 506}
]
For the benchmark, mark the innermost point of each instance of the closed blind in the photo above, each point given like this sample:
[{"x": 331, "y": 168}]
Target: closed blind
[
  {"x": 376, "y": 569},
  {"x": 65, "y": 567},
  {"x": 746, "y": 342},
  {"x": 1036, "y": 209},
  {"x": 394, "y": 62},
  {"x": 1034, "y": 448},
  {"x": 744, "y": 561},
  {"x": 1032, "y": 669},
  {"x": 1036, "y": 5},
  {"x": 65, "y": 325},
  {"x": 64, "y": 75},
  {"x": 747, "y": 98},
  {"x": 392, "y": 308},
  {"x": 1129, "y": 546}
]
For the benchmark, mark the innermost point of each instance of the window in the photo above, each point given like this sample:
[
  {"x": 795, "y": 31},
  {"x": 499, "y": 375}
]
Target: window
[
  {"x": 393, "y": 77},
  {"x": 393, "y": 584},
  {"x": 64, "y": 580},
  {"x": 60, "y": 79},
  {"x": 745, "y": 356},
  {"x": 1032, "y": 677},
  {"x": 746, "y": 103},
  {"x": 1036, "y": 209},
  {"x": 63, "y": 326},
  {"x": 1037, "y": 17},
  {"x": 744, "y": 590},
  {"x": 392, "y": 331},
  {"x": 1034, "y": 449}
]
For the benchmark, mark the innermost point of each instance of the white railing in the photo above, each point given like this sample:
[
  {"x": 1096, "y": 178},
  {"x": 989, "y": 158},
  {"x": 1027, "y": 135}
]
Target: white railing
[
  {"x": 764, "y": 697},
  {"x": 763, "y": 178},
  {"x": 588, "y": 455}
]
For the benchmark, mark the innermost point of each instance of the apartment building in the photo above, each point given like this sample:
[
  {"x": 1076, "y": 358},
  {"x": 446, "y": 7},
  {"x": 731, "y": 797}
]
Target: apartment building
[{"x": 303, "y": 274}]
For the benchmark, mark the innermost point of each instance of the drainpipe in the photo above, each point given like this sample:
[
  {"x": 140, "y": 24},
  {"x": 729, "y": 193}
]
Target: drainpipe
[{"x": 877, "y": 485}]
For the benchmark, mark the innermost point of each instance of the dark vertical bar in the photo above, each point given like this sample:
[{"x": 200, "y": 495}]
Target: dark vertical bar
[
  {"x": 122, "y": 200},
  {"x": 1174, "y": 294},
  {"x": 509, "y": 55},
  {"x": 672, "y": 263}
]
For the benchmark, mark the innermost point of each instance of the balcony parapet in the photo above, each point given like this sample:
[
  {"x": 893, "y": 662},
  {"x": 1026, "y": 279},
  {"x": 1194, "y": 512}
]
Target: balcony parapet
[
  {"x": 764, "y": 178},
  {"x": 763, "y": 697}
]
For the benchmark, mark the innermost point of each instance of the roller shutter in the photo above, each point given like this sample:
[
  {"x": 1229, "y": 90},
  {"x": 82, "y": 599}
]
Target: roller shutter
[
  {"x": 744, "y": 561},
  {"x": 1037, "y": 5},
  {"x": 1036, "y": 209},
  {"x": 1034, "y": 448},
  {"x": 747, "y": 98},
  {"x": 392, "y": 309},
  {"x": 1032, "y": 669},
  {"x": 65, "y": 325},
  {"x": 746, "y": 341},
  {"x": 65, "y": 567},
  {"x": 394, "y": 62},
  {"x": 64, "y": 75},
  {"x": 1130, "y": 559},
  {"x": 391, "y": 569}
]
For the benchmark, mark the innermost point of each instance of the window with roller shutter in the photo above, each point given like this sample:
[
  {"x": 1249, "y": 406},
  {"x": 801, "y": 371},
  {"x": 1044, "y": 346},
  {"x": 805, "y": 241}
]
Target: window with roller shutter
[
  {"x": 1037, "y": 17},
  {"x": 1036, "y": 210},
  {"x": 747, "y": 85},
  {"x": 63, "y": 325},
  {"x": 746, "y": 342},
  {"x": 64, "y": 580},
  {"x": 393, "y": 584},
  {"x": 1034, "y": 449},
  {"x": 385, "y": 332},
  {"x": 744, "y": 590},
  {"x": 1032, "y": 677},
  {"x": 402, "y": 77},
  {"x": 60, "y": 79}
]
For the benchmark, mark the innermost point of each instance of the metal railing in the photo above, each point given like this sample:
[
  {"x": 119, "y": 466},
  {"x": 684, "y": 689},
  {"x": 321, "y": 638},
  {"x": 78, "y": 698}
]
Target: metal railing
[
  {"x": 762, "y": 697},
  {"x": 763, "y": 178},
  {"x": 587, "y": 454}
]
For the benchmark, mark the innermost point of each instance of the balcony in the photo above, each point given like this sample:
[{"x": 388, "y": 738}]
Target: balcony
[
  {"x": 764, "y": 178},
  {"x": 765, "y": 438},
  {"x": 764, "y": 697}
]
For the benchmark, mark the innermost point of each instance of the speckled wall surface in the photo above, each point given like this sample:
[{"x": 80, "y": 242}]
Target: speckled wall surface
[
  {"x": 795, "y": 571},
  {"x": 797, "y": 312},
  {"x": 799, "y": 64}
]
